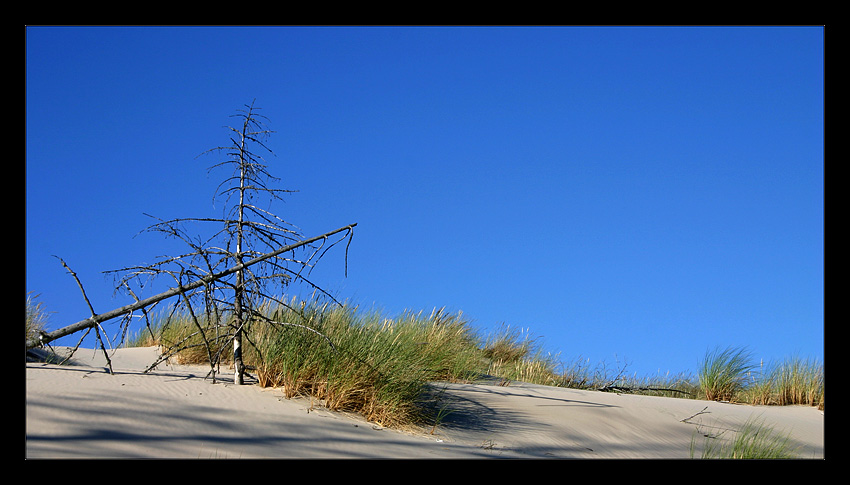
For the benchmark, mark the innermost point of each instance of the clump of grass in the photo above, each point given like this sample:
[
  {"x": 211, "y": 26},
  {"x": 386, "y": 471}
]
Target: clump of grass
[
  {"x": 509, "y": 345},
  {"x": 577, "y": 375},
  {"x": 36, "y": 317},
  {"x": 799, "y": 381},
  {"x": 723, "y": 373},
  {"x": 754, "y": 440},
  {"x": 790, "y": 381},
  {"x": 363, "y": 362},
  {"x": 760, "y": 388},
  {"x": 514, "y": 354},
  {"x": 173, "y": 332}
]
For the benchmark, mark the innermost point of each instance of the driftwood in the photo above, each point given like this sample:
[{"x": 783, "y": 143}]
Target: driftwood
[{"x": 44, "y": 338}]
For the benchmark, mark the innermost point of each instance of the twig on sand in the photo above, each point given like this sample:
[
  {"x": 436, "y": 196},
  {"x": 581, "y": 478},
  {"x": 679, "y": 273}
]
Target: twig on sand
[{"x": 695, "y": 415}]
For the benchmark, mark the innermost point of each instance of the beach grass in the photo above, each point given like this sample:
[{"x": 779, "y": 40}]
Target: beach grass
[
  {"x": 723, "y": 373},
  {"x": 367, "y": 362},
  {"x": 36, "y": 316},
  {"x": 755, "y": 440},
  {"x": 362, "y": 362},
  {"x": 514, "y": 354},
  {"x": 195, "y": 335},
  {"x": 793, "y": 380}
]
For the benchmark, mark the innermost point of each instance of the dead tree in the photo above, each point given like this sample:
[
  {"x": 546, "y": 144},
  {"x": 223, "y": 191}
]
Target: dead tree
[
  {"x": 248, "y": 259},
  {"x": 246, "y": 229}
]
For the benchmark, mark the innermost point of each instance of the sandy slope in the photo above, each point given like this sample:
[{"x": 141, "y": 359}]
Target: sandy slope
[{"x": 81, "y": 411}]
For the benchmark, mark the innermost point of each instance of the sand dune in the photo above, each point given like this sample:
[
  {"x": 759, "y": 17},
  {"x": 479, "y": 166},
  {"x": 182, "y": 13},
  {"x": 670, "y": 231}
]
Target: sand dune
[{"x": 81, "y": 411}]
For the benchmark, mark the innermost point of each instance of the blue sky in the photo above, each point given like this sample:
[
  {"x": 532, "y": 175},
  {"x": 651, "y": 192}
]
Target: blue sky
[{"x": 629, "y": 194}]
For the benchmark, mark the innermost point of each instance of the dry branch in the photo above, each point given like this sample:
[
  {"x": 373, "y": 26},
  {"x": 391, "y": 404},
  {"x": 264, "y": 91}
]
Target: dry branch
[
  {"x": 46, "y": 337},
  {"x": 610, "y": 388}
]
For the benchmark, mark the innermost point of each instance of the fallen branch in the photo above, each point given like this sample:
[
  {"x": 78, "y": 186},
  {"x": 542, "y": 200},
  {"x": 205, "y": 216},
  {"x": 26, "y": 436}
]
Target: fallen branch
[
  {"x": 695, "y": 415},
  {"x": 46, "y": 337},
  {"x": 633, "y": 389}
]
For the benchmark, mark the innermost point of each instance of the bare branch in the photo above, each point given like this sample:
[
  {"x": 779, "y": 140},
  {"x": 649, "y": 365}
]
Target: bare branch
[
  {"x": 47, "y": 337},
  {"x": 91, "y": 309}
]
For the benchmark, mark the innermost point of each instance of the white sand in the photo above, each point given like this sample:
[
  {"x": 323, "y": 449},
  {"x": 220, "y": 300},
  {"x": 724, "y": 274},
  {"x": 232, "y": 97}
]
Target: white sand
[{"x": 81, "y": 411}]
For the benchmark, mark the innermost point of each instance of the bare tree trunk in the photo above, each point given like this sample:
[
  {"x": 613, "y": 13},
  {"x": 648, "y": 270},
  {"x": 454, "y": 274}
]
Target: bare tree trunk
[{"x": 238, "y": 367}]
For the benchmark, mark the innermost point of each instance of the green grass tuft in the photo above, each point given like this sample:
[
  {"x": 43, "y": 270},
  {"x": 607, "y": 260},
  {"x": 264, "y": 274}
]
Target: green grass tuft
[
  {"x": 754, "y": 440},
  {"x": 36, "y": 317},
  {"x": 723, "y": 373}
]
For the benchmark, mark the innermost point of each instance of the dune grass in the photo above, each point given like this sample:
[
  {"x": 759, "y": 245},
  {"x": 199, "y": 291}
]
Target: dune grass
[
  {"x": 36, "y": 316},
  {"x": 755, "y": 440},
  {"x": 514, "y": 354},
  {"x": 723, "y": 373},
  {"x": 368, "y": 364},
  {"x": 793, "y": 380},
  {"x": 179, "y": 331},
  {"x": 347, "y": 359},
  {"x": 798, "y": 381},
  {"x": 379, "y": 366},
  {"x": 730, "y": 374}
]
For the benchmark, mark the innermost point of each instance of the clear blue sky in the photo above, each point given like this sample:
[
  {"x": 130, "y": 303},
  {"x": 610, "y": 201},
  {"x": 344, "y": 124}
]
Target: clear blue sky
[{"x": 628, "y": 194}]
